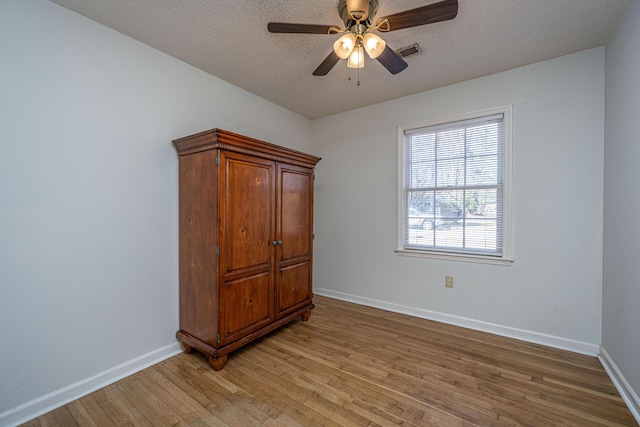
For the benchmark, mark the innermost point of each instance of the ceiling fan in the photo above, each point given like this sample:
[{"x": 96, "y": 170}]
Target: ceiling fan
[{"x": 357, "y": 16}]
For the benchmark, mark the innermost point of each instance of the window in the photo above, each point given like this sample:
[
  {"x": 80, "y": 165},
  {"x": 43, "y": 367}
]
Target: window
[{"x": 454, "y": 188}]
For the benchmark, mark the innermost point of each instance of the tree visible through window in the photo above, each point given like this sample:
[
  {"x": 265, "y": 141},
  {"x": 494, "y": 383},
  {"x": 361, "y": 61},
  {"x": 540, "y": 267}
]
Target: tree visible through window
[{"x": 453, "y": 191}]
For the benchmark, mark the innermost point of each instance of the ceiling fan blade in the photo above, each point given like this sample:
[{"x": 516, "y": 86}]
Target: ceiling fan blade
[
  {"x": 328, "y": 63},
  {"x": 435, "y": 12},
  {"x": 283, "y": 27},
  {"x": 392, "y": 61}
]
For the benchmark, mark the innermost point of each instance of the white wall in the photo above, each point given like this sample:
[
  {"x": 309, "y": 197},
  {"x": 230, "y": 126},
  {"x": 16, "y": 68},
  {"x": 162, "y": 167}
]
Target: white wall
[
  {"x": 88, "y": 192},
  {"x": 552, "y": 292},
  {"x": 621, "y": 290}
]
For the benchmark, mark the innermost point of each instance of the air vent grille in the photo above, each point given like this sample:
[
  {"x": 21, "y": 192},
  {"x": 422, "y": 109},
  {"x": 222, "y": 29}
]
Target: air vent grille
[{"x": 413, "y": 49}]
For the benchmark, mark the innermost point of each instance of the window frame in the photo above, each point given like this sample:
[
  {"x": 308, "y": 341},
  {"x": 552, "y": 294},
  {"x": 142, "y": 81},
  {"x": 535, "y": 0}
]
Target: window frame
[{"x": 506, "y": 256}]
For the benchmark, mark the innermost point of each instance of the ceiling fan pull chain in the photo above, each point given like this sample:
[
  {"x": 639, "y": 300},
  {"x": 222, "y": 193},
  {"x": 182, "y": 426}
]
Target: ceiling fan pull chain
[{"x": 349, "y": 75}]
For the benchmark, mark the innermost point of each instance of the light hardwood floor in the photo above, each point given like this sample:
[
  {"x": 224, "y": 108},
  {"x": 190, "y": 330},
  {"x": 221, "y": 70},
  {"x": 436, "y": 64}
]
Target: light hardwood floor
[{"x": 351, "y": 365}]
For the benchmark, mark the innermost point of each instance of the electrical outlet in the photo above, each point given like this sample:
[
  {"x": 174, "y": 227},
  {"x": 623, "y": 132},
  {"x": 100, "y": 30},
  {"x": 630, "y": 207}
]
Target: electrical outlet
[{"x": 448, "y": 281}]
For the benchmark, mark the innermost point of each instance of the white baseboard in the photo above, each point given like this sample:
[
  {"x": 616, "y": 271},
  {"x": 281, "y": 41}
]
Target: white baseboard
[
  {"x": 624, "y": 388},
  {"x": 42, "y": 405},
  {"x": 521, "y": 334}
]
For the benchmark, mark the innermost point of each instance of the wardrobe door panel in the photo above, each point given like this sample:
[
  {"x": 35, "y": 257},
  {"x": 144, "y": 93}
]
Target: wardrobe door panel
[
  {"x": 294, "y": 288},
  {"x": 247, "y": 305},
  {"x": 295, "y": 212},
  {"x": 247, "y": 202}
]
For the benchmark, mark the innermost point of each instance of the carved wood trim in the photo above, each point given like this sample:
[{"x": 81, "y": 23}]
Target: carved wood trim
[{"x": 224, "y": 140}]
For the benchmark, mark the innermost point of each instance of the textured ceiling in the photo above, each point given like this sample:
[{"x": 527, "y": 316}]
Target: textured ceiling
[{"x": 229, "y": 39}]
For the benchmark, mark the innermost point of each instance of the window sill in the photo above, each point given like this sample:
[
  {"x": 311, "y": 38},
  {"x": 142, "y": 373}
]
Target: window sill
[{"x": 447, "y": 256}]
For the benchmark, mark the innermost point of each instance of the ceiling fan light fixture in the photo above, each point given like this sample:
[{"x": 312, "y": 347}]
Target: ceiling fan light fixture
[
  {"x": 374, "y": 45},
  {"x": 345, "y": 45},
  {"x": 358, "y": 16},
  {"x": 356, "y": 59}
]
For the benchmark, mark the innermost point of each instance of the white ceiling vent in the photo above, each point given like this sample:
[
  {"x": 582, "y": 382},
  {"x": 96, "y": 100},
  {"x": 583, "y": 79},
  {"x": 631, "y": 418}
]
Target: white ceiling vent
[{"x": 413, "y": 49}]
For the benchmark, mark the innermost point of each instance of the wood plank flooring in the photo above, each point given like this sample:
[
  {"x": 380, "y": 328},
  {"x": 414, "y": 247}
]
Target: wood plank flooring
[{"x": 351, "y": 365}]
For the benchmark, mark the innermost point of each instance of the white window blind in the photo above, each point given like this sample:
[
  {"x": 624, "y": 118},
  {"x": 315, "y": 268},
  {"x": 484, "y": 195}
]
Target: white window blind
[{"x": 453, "y": 187}]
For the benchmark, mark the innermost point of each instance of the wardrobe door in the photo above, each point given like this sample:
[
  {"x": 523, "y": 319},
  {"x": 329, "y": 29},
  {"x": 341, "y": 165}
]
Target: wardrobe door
[
  {"x": 247, "y": 225},
  {"x": 295, "y": 231}
]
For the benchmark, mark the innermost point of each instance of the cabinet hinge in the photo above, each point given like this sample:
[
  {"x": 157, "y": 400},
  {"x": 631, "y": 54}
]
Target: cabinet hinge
[
  {"x": 217, "y": 250},
  {"x": 218, "y": 337},
  {"x": 218, "y": 161}
]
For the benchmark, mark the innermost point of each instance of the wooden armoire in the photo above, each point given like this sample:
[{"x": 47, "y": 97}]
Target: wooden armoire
[{"x": 246, "y": 240}]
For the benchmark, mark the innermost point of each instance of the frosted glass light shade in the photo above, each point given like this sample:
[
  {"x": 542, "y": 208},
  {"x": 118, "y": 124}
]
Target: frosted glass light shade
[
  {"x": 344, "y": 45},
  {"x": 374, "y": 45},
  {"x": 356, "y": 59}
]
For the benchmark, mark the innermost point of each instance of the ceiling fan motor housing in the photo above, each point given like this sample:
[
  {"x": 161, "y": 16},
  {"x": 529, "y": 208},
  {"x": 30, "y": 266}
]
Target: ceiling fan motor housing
[{"x": 352, "y": 11}]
